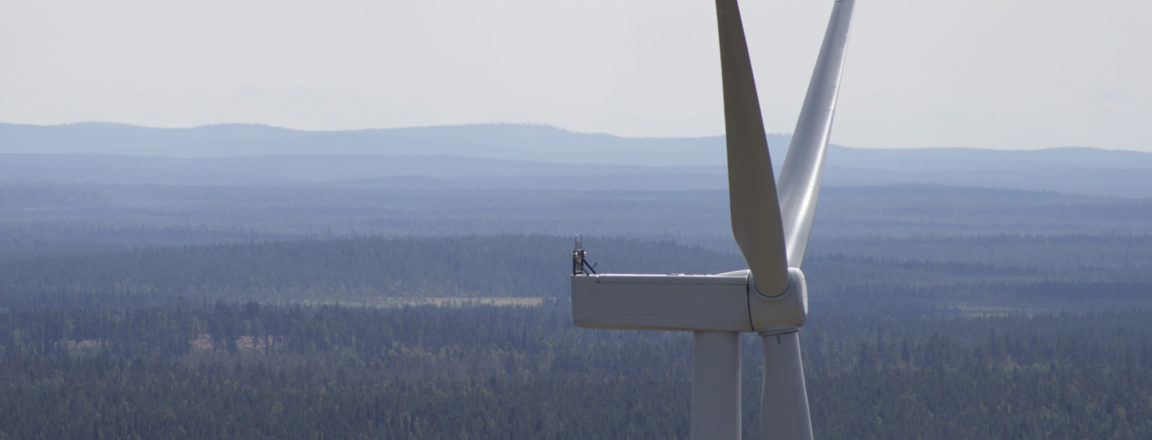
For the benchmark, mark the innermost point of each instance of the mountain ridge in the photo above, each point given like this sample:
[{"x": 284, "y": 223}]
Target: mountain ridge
[
  {"x": 514, "y": 156},
  {"x": 531, "y": 142}
]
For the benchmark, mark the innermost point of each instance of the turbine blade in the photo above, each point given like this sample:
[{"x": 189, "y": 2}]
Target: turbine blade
[
  {"x": 752, "y": 190},
  {"x": 784, "y": 403},
  {"x": 800, "y": 176}
]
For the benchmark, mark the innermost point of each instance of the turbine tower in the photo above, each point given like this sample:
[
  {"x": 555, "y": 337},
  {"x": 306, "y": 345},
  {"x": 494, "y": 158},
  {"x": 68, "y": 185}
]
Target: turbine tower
[{"x": 771, "y": 221}]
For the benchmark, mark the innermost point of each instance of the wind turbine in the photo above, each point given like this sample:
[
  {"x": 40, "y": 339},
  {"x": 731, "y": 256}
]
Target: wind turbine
[{"x": 771, "y": 221}]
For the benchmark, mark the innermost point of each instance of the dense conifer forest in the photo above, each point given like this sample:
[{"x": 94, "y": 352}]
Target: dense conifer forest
[
  {"x": 256, "y": 371},
  {"x": 147, "y": 311}
]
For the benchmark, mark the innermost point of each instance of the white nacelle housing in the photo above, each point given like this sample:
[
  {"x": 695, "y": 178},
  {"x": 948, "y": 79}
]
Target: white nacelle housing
[
  {"x": 661, "y": 302},
  {"x": 726, "y": 302}
]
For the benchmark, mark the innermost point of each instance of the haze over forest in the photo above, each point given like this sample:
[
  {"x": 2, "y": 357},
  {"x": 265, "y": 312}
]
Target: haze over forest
[
  {"x": 243, "y": 281},
  {"x": 512, "y": 156}
]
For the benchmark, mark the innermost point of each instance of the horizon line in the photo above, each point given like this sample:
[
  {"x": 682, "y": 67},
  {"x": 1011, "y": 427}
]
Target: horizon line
[{"x": 535, "y": 125}]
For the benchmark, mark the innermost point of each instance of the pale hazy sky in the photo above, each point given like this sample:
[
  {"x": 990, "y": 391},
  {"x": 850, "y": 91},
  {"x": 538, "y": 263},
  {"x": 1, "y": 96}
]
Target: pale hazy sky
[{"x": 984, "y": 73}]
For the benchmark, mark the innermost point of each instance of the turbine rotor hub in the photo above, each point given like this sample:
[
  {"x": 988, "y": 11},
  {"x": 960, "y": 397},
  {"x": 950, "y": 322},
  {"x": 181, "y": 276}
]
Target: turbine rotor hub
[{"x": 780, "y": 313}]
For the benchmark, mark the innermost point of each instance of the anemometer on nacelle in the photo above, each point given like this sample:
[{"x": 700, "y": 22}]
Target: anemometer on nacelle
[{"x": 580, "y": 264}]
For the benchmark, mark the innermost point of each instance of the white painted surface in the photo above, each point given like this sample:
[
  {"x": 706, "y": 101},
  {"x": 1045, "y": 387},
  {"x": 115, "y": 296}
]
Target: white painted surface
[
  {"x": 784, "y": 402},
  {"x": 716, "y": 386},
  {"x": 661, "y": 302}
]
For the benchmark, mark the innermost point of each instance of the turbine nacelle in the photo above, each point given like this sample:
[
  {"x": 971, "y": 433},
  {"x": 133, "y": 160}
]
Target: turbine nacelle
[{"x": 726, "y": 302}]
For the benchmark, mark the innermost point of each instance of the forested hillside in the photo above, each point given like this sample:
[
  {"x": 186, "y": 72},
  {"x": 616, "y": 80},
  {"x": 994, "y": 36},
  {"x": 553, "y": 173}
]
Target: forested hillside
[
  {"x": 881, "y": 275},
  {"x": 39, "y": 219},
  {"x": 250, "y": 297},
  {"x": 942, "y": 337},
  {"x": 257, "y": 371}
]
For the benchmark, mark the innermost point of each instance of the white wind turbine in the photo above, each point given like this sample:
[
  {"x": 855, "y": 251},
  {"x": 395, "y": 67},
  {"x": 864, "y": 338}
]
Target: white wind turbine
[{"x": 771, "y": 224}]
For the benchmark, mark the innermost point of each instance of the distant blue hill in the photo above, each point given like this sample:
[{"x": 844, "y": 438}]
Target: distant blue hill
[
  {"x": 509, "y": 141},
  {"x": 494, "y": 141},
  {"x": 512, "y": 156}
]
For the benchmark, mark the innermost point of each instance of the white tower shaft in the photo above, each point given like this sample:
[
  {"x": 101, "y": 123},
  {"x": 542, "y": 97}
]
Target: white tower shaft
[{"x": 716, "y": 386}]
